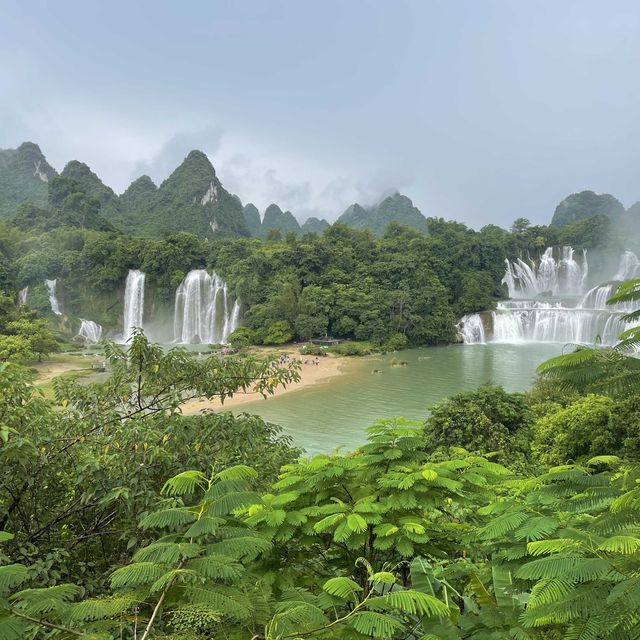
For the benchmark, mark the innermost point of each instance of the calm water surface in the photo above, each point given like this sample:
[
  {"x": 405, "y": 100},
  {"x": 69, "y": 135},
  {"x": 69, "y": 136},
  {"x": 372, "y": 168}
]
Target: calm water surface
[{"x": 335, "y": 414}]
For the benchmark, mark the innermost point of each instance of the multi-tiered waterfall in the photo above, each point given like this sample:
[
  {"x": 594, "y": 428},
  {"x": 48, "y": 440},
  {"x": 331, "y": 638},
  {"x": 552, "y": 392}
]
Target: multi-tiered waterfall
[
  {"x": 133, "y": 302},
  {"x": 204, "y": 310},
  {"x": 53, "y": 300},
  {"x": 89, "y": 331},
  {"x": 549, "y": 303}
]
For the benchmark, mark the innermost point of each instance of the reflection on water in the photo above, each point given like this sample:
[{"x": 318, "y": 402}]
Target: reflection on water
[{"x": 335, "y": 414}]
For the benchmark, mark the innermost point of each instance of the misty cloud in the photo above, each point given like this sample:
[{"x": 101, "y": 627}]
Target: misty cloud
[{"x": 174, "y": 151}]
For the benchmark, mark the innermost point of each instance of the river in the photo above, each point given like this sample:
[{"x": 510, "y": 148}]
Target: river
[{"x": 335, "y": 414}]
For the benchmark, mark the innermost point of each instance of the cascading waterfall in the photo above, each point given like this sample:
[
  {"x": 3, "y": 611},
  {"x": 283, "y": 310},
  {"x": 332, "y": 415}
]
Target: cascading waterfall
[
  {"x": 89, "y": 331},
  {"x": 203, "y": 310},
  {"x": 133, "y": 302},
  {"x": 53, "y": 300},
  {"x": 471, "y": 329},
  {"x": 526, "y": 318},
  {"x": 22, "y": 296},
  {"x": 561, "y": 275}
]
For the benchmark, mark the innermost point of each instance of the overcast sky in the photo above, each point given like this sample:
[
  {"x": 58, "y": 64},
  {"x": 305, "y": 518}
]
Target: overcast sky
[{"x": 481, "y": 110}]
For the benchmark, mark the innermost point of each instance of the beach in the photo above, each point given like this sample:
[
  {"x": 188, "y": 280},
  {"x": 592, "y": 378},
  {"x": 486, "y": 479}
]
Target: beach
[{"x": 329, "y": 367}]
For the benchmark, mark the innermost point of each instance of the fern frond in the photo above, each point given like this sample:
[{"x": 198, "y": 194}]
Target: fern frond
[
  {"x": 184, "y": 483},
  {"x": 167, "y": 552},
  {"x": 217, "y": 567},
  {"x": 99, "y": 608},
  {"x": 38, "y": 601},
  {"x": 12, "y": 575},
  {"x": 375, "y": 625},
  {"x": 171, "y": 519},
  {"x": 136, "y": 575},
  {"x": 242, "y": 548},
  {"x": 343, "y": 588}
]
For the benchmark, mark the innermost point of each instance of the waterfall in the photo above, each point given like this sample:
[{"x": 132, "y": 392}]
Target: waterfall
[
  {"x": 559, "y": 275},
  {"x": 89, "y": 331},
  {"x": 203, "y": 310},
  {"x": 471, "y": 327},
  {"x": 53, "y": 300},
  {"x": 586, "y": 320},
  {"x": 133, "y": 302},
  {"x": 22, "y": 296}
]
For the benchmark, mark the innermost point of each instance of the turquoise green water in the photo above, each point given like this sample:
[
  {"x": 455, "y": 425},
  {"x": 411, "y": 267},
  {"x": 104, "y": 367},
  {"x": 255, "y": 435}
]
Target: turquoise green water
[{"x": 336, "y": 413}]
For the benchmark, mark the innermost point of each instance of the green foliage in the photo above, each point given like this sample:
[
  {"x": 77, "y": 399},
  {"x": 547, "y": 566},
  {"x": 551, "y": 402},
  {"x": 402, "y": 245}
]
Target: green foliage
[
  {"x": 278, "y": 333},
  {"x": 488, "y": 420},
  {"x": 393, "y": 209},
  {"x": 23, "y": 178},
  {"x": 586, "y": 204},
  {"x": 23, "y": 335}
]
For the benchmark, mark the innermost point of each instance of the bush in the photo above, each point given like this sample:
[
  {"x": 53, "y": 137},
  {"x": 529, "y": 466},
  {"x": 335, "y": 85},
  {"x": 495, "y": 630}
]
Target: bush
[
  {"x": 242, "y": 337},
  {"x": 278, "y": 333},
  {"x": 396, "y": 342},
  {"x": 484, "y": 421},
  {"x": 352, "y": 349},
  {"x": 577, "y": 432}
]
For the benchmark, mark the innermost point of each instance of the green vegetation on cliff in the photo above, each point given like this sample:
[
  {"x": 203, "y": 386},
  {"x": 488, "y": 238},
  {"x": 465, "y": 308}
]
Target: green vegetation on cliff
[
  {"x": 24, "y": 174},
  {"x": 586, "y": 204},
  {"x": 395, "y": 208}
]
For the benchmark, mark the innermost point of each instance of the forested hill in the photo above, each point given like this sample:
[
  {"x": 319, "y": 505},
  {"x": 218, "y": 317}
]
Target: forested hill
[
  {"x": 395, "y": 208},
  {"x": 582, "y": 206},
  {"x": 24, "y": 174}
]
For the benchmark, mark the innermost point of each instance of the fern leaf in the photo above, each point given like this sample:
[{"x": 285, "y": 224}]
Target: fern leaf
[
  {"x": 343, "y": 588},
  {"x": 99, "y": 609},
  {"x": 237, "y": 472},
  {"x": 204, "y": 526},
  {"x": 12, "y": 575},
  {"x": 536, "y": 528},
  {"x": 375, "y": 625},
  {"x": 167, "y": 552},
  {"x": 39, "y": 601},
  {"x": 12, "y": 628},
  {"x": 171, "y": 519},
  {"x": 184, "y": 483},
  {"x": 231, "y": 603},
  {"x": 136, "y": 575},
  {"x": 410, "y": 602},
  {"x": 626, "y": 545},
  {"x": 246, "y": 547},
  {"x": 217, "y": 567}
]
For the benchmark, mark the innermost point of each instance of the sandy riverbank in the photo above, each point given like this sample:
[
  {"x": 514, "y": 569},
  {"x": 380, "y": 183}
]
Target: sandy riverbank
[
  {"x": 62, "y": 364},
  {"x": 329, "y": 367}
]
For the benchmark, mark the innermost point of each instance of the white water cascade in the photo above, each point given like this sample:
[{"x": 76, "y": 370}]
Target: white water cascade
[
  {"x": 53, "y": 300},
  {"x": 22, "y": 296},
  {"x": 204, "y": 312},
  {"x": 556, "y": 275},
  {"x": 89, "y": 331},
  {"x": 133, "y": 302},
  {"x": 549, "y": 303}
]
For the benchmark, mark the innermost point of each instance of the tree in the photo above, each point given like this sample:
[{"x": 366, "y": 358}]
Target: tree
[{"x": 488, "y": 420}]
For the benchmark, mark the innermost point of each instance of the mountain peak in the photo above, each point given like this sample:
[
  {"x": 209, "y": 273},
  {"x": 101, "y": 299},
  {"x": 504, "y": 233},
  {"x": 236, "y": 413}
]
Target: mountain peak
[
  {"x": 393, "y": 208},
  {"x": 24, "y": 174}
]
